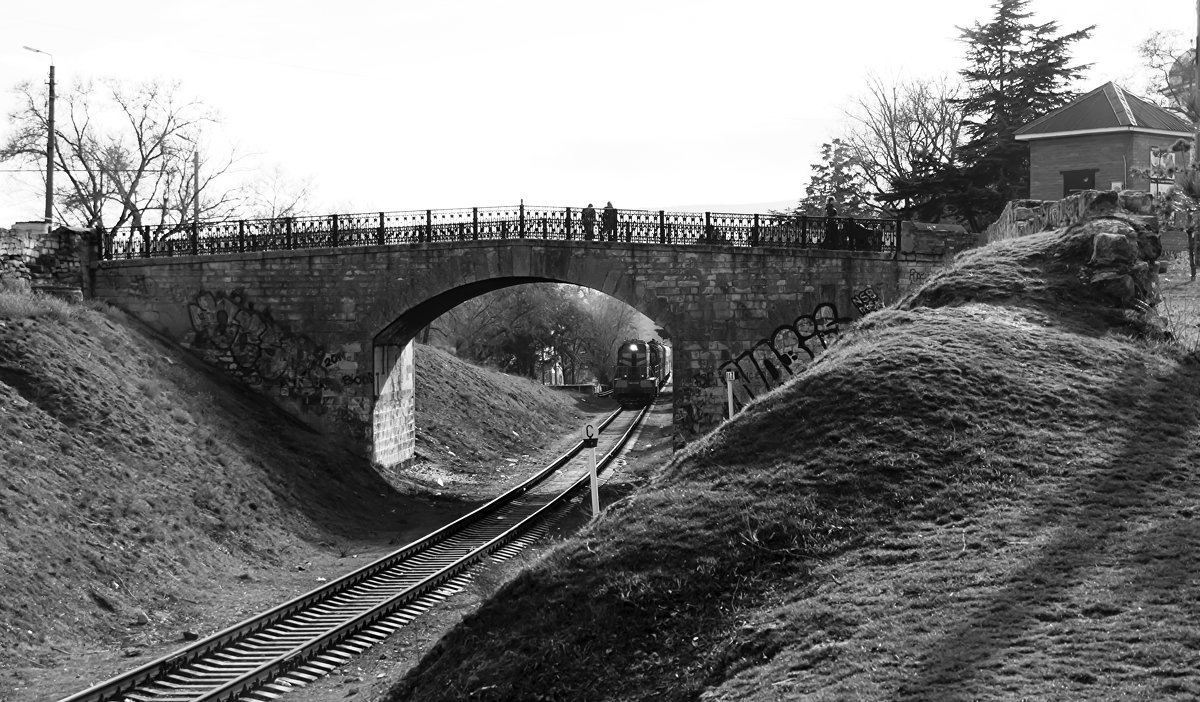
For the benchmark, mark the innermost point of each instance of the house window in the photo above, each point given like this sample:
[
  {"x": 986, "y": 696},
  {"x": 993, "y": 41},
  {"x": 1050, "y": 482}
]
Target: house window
[{"x": 1074, "y": 181}]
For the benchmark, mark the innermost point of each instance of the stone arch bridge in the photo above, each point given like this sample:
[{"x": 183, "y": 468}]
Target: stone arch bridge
[{"x": 319, "y": 312}]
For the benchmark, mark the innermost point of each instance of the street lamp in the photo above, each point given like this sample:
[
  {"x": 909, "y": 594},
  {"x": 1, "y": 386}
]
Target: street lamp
[{"x": 49, "y": 140}]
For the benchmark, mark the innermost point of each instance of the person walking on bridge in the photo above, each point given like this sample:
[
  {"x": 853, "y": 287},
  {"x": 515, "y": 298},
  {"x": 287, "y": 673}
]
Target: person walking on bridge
[
  {"x": 609, "y": 223},
  {"x": 589, "y": 222},
  {"x": 831, "y": 226}
]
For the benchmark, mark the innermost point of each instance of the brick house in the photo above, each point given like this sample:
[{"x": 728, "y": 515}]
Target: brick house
[{"x": 1107, "y": 139}]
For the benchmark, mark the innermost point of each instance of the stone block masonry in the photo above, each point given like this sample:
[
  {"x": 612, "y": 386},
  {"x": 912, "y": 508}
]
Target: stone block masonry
[
  {"x": 395, "y": 431},
  {"x": 51, "y": 260}
]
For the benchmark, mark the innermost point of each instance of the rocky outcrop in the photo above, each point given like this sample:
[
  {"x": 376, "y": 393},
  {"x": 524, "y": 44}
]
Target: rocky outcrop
[
  {"x": 1123, "y": 266},
  {"x": 1098, "y": 272}
]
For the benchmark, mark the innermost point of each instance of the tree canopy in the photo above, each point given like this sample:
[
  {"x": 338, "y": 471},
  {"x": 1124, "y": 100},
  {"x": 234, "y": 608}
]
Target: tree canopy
[
  {"x": 938, "y": 149},
  {"x": 127, "y": 155},
  {"x": 526, "y": 329},
  {"x": 839, "y": 175},
  {"x": 1017, "y": 71}
]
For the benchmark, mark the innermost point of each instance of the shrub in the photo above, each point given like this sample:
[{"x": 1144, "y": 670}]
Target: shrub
[{"x": 19, "y": 302}]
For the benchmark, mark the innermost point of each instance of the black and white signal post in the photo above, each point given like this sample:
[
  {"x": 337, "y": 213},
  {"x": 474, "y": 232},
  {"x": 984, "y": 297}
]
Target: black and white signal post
[{"x": 589, "y": 441}]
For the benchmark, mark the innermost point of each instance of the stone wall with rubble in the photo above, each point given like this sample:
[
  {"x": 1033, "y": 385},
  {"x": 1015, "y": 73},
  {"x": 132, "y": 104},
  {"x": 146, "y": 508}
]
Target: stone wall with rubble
[
  {"x": 1030, "y": 216},
  {"x": 35, "y": 256}
]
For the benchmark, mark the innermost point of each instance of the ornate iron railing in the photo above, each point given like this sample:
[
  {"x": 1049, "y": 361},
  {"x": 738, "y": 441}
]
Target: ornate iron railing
[{"x": 516, "y": 222}]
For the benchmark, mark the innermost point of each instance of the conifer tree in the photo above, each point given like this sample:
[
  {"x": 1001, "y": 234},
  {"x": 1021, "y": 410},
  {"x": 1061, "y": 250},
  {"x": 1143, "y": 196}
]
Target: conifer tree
[
  {"x": 839, "y": 175},
  {"x": 1017, "y": 71}
]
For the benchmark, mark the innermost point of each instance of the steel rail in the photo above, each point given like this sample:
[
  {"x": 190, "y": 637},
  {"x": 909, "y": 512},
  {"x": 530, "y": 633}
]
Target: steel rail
[
  {"x": 251, "y": 680},
  {"x": 294, "y": 645}
]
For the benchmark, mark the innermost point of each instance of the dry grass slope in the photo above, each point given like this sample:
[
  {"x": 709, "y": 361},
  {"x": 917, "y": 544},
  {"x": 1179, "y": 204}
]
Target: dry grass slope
[
  {"x": 986, "y": 492},
  {"x": 142, "y": 495}
]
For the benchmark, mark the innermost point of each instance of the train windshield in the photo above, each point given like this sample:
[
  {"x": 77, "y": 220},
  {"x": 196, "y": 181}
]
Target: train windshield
[{"x": 631, "y": 361}]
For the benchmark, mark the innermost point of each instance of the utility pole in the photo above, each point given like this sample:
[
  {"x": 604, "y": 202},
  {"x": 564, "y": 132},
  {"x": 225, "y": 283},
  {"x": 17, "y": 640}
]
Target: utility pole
[
  {"x": 196, "y": 185},
  {"x": 1196, "y": 140},
  {"x": 50, "y": 138}
]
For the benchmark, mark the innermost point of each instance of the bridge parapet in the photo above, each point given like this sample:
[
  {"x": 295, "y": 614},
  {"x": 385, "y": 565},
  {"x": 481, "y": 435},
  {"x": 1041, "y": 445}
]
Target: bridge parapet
[{"x": 537, "y": 223}]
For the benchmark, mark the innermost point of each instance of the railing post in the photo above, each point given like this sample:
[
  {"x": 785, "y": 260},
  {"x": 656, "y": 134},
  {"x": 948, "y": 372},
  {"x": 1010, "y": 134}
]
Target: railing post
[
  {"x": 195, "y": 238},
  {"x": 381, "y": 233},
  {"x": 428, "y": 225},
  {"x": 754, "y": 232},
  {"x": 804, "y": 231},
  {"x": 708, "y": 226},
  {"x": 475, "y": 223},
  {"x": 145, "y": 241},
  {"x": 567, "y": 227},
  {"x": 662, "y": 227},
  {"x": 521, "y": 221},
  {"x": 333, "y": 232},
  {"x": 287, "y": 229},
  {"x": 896, "y": 243},
  {"x": 241, "y": 236}
]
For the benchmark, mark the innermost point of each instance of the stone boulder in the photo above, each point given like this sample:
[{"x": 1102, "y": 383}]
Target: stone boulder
[
  {"x": 1123, "y": 267},
  {"x": 1113, "y": 248}
]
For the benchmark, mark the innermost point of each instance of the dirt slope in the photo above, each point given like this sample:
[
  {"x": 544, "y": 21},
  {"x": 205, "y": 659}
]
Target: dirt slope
[
  {"x": 986, "y": 492},
  {"x": 142, "y": 496}
]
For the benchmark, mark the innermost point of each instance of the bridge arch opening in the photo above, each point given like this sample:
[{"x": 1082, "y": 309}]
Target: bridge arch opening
[{"x": 555, "y": 332}]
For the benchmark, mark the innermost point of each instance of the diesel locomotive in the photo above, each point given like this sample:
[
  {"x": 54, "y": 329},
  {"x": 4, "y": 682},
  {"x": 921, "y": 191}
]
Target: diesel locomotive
[{"x": 642, "y": 370}]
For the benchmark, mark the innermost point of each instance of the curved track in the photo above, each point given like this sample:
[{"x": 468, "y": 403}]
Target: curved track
[{"x": 301, "y": 640}]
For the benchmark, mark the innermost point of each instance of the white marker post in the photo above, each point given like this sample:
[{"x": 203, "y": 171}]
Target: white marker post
[
  {"x": 589, "y": 441},
  {"x": 729, "y": 376}
]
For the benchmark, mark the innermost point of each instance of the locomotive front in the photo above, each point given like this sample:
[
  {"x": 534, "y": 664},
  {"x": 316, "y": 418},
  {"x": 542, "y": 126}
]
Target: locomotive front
[{"x": 639, "y": 367}]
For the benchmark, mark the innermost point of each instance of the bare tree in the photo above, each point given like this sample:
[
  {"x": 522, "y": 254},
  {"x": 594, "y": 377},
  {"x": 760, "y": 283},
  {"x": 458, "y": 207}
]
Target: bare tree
[
  {"x": 900, "y": 126},
  {"x": 612, "y": 322},
  {"x": 274, "y": 194},
  {"x": 578, "y": 327},
  {"x": 128, "y": 154},
  {"x": 1164, "y": 54},
  {"x": 471, "y": 327}
]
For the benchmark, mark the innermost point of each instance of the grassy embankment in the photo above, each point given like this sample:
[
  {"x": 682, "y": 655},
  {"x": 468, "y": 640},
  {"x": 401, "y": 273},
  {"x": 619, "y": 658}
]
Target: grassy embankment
[
  {"x": 988, "y": 491},
  {"x": 143, "y": 496}
]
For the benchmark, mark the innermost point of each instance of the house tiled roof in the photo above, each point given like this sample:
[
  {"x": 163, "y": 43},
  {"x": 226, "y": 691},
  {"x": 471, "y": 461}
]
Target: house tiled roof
[{"x": 1108, "y": 108}]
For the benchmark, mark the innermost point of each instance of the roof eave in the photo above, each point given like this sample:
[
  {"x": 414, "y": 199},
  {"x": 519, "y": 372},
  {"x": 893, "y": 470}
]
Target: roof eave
[{"x": 1107, "y": 130}]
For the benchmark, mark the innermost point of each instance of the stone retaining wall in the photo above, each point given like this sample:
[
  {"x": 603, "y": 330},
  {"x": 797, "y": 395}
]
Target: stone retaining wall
[
  {"x": 1030, "y": 216},
  {"x": 55, "y": 261}
]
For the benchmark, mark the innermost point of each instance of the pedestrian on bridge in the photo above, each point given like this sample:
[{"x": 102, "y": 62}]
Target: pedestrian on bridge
[
  {"x": 608, "y": 228},
  {"x": 589, "y": 222},
  {"x": 831, "y": 226}
]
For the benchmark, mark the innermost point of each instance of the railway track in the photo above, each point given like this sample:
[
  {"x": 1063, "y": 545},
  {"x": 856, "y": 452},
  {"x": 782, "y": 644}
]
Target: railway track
[{"x": 301, "y": 640}]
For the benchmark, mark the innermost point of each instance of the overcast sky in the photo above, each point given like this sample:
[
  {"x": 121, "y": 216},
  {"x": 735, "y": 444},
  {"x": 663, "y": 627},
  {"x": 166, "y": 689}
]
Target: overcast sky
[{"x": 397, "y": 105}]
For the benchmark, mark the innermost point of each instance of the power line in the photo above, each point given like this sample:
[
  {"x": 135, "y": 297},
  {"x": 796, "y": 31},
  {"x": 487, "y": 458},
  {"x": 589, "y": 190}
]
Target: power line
[
  {"x": 109, "y": 170},
  {"x": 81, "y": 170}
]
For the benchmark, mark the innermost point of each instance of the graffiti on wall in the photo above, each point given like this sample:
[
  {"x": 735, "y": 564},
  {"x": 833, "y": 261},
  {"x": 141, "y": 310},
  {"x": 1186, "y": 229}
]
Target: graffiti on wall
[
  {"x": 763, "y": 367},
  {"x": 783, "y": 355},
  {"x": 866, "y": 301},
  {"x": 918, "y": 276},
  {"x": 230, "y": 333}
]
